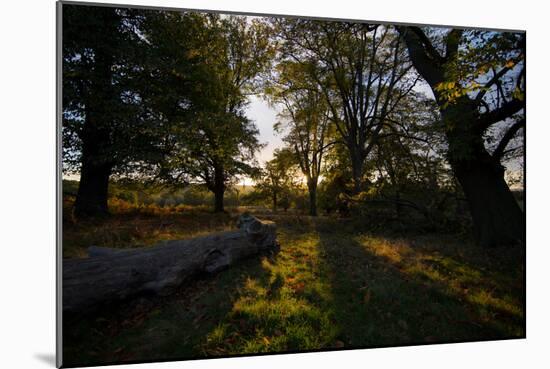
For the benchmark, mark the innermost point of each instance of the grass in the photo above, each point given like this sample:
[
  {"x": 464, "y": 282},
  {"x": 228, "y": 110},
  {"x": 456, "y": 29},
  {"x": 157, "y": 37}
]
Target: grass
[
  {"x": 334, "y": 284},
  {"x": 132, "y": 226}
]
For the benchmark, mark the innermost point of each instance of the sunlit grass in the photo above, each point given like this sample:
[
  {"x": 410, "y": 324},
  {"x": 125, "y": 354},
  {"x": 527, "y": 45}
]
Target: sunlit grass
[
  {"x": 284, "y": 309},
  {"x": 456, "y": 278}
]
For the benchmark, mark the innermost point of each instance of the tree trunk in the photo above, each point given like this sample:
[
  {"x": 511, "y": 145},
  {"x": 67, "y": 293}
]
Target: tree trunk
[
  {"x": 91, "y": 198},
  {"x": 96, "y": 163},
  {"x": 274, "y": 198},
  {"x": 496, "y": 215},
  {"x": 357, "y": 173},
  {"x": 113, "y": 275},
  {"x": 218, "y": 200},
  {"x": 312, "y": 188},
  {"x": 398, "y": 204},
  {"x": 219, "y": 188}
]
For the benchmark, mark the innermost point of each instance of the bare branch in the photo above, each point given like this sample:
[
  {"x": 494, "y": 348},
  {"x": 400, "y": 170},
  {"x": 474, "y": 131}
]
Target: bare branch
[
  {"x": 505, "y": 111},
  {"x": 499, "y": 151},
  {"x": 490, "y": 83}
]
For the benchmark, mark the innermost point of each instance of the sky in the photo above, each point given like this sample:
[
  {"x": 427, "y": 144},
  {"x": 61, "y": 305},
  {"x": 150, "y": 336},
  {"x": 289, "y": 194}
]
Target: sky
[{"x": 264, "y": 116}]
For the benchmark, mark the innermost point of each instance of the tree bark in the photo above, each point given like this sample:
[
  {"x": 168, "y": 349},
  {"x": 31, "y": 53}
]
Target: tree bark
[
  {"x": 398, "y": 205},
  {"x": 96, "y": 162},
  {"x": 91, "y": 198},
  {"x": 218, "y": 200},
  {"x": 496, "y": 215},
  {"x": 112, "y": 275},
  {"x": 219, "y": 188}
]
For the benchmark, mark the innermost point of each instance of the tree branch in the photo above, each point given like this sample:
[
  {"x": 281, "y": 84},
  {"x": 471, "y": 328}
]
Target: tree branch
[
  {"x": 499, "y": 151},
  {"x": 491, "y": 82},
  {"x": 427, "y": 44},
  {"x": 505, "y": 111},
  {"x": 451, "y": 43},
  {"x": 423, "y": 55}
]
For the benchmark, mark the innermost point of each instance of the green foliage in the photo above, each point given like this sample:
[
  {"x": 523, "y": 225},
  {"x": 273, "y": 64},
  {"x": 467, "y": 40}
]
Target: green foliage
[
  {"x": 105, "y": 90},
  {"x": 215, "y": 142},
  {"x": 170, "y": 90},
  {"x": 304, "y": 118},
  {"x": 161, "y": 97},
  {"x": 481, "y": 56}
]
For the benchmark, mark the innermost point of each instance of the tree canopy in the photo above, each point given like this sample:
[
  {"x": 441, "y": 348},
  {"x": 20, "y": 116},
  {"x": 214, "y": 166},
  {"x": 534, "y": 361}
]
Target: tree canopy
[{"x": 414, "y": 117}]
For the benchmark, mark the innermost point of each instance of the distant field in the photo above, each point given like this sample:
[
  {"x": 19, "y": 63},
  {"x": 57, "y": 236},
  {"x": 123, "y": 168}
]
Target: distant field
[{"x": 336, "y": 283}]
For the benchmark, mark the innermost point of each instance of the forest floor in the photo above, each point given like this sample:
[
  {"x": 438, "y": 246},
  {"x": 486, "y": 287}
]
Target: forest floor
[{"x": 336, "y": 283}]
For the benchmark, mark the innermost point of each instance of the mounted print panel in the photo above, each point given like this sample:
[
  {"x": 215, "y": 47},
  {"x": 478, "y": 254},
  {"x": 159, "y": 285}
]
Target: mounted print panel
[{"x": 237, "y": 184}]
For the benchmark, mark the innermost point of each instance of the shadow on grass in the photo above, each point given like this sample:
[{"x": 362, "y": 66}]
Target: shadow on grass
[{"x": 387, "y": 293}]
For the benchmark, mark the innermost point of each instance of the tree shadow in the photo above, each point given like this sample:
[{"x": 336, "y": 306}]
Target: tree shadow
[
  {"x": 380, "y": 299},
  {"x": 483, "y": 276}
]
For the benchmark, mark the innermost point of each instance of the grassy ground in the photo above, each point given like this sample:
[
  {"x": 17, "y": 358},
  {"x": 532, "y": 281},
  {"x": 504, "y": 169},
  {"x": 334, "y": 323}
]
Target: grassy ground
[{"x": 334, "y": 284}]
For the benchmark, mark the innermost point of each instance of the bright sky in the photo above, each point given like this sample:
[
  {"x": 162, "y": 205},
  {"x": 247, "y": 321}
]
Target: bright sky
[{"x": 264, "y": 116}]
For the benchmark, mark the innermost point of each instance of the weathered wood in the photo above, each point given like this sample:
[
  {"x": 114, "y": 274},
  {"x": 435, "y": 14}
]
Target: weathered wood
[{"x": 111, "y": 275}]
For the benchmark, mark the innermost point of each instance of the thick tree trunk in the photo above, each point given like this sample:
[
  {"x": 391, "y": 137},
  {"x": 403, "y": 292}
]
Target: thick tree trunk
[
  {"x": 91, "y": 198},
  {"x": 497, "y": 217},
  {"x": 398, "y": 205},
  {"x": 110, "y": 275},
  {"x": 219, "y": 188},
  {"x": 357, "y": 161},
  {"x": 357, "y": 173},
  {"x": 218, "y": 200},
  {"x": 96, "y": 164}
]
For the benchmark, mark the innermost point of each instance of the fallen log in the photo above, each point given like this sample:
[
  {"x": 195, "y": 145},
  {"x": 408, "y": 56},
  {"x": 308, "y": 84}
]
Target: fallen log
[{"x": 112, "y": 275}]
